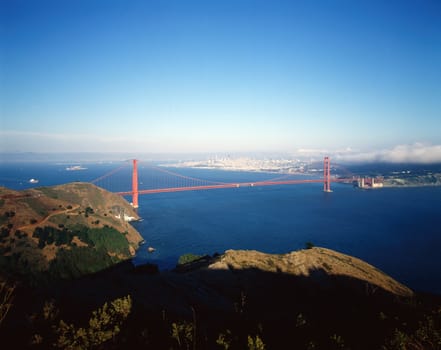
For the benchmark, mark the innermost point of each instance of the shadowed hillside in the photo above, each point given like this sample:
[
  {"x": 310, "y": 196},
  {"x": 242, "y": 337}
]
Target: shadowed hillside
[{"x": 309, "y": 299}]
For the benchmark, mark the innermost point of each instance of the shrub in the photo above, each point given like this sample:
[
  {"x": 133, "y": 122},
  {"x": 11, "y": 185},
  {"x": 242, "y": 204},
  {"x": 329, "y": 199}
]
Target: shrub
[
  {"x": 183, "y": 333},
  {"x": 6, "y": 296},
  {"x": 255, "y": 343},
  {"x": 4, "y": 232},
  {"x": 89, "y": 210},
  {"x": 309, "y": 245},
  {"x": 104, "y": 324},
  {"x": 188, "y": 258}
]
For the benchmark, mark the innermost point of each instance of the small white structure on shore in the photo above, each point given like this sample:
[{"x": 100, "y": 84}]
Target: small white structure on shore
[{"x": 127, "y": 218}]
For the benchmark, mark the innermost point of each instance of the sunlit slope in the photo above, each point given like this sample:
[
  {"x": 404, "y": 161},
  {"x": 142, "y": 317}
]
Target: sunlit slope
[
  {"x": 66, "y": 230},
  {"x": 323, "y": 267}
]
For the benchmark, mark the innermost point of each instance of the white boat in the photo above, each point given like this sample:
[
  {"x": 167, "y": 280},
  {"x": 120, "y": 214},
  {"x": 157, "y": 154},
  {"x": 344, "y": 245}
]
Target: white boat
[
  {"x": 33, "y": 181},
  {"x": 75, "y": 168}
]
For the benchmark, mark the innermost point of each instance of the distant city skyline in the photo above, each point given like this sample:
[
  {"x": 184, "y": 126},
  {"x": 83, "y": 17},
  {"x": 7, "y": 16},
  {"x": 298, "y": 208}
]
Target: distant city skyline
[{"x": 359, "y": 79}]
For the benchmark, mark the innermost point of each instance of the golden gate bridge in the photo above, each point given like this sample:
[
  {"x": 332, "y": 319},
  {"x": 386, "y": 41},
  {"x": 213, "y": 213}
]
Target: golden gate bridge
[{"x": 187, "y": 183}]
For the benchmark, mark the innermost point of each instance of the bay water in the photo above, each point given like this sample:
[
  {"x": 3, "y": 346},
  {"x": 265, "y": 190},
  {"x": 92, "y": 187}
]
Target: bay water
[{"x": 398, "y": 230}]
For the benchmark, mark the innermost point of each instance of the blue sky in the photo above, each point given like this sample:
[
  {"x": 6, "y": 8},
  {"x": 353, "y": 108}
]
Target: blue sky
[{"x": 219, "y": 76}]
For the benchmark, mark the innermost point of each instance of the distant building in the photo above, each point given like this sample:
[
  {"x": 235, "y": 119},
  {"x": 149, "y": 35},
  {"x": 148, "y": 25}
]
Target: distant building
[{"x": 370, "y": 182}]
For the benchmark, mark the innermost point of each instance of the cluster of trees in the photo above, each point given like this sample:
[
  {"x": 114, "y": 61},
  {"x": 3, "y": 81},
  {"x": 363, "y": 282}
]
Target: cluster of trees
[
  {"x": 104, "y": 247},
  {"x": 107, "y": 237},
  {"x": 49, "y": 235},
  {"x": 79, "y": 261}
]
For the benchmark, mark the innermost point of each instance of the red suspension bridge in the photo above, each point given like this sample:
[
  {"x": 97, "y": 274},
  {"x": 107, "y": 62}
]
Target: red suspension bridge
[{"x": 179, "y": 182}]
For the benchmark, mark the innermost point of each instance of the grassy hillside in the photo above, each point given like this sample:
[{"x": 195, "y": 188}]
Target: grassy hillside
[{"x": 63, "y": 231}]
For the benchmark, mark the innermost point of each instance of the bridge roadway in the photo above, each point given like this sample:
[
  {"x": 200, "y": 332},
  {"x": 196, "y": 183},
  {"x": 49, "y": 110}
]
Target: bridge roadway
[{"x": 229, "y": 185}]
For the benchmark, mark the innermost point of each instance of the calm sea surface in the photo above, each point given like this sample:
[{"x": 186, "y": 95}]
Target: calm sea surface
[{"x": 397, "y": 230}]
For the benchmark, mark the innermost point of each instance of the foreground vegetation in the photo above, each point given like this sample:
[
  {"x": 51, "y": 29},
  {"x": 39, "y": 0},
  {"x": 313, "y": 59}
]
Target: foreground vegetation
[
  {"x": 122, "y": 323},
  {"x": 236, "y": 307}
]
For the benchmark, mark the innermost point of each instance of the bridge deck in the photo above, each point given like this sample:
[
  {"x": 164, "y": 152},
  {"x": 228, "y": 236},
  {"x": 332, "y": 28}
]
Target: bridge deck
[{"x": 229, "y": 185}]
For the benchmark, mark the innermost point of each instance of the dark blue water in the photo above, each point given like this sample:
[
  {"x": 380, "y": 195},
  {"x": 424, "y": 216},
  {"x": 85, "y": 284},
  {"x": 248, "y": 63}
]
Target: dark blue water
[{"x": 396, "y": 229}]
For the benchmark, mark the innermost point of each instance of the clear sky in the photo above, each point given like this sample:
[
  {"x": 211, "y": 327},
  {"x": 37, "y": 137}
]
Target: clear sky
[{"x": 219, "y": 76}]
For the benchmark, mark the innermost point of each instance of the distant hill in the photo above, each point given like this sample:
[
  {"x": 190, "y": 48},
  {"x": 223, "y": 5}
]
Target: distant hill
[
  {"x": 64, "y": 231},
  {"x": 413, "y": 180}
]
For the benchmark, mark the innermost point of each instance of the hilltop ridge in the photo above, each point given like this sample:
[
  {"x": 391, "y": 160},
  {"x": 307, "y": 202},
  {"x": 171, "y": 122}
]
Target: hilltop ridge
[{"x": 321, "y": 265}]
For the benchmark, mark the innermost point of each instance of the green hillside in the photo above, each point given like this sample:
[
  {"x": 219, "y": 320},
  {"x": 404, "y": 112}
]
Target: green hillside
[{"x": 63, "y": 231}]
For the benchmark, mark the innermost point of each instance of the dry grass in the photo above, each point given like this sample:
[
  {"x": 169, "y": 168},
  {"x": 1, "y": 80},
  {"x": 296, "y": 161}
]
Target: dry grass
[{"x": 304, "y": 262}]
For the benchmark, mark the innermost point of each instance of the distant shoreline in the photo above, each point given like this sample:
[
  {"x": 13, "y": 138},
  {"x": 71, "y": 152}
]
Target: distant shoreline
[
  {"x": 386, "y": 185},
  {"x": 416, "y": 181}
]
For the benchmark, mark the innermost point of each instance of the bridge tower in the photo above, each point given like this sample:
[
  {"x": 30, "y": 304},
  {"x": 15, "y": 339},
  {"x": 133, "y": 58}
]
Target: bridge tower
[
  {"x": 135, "y": 191},
  {"x": 327, "y": 175}
]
